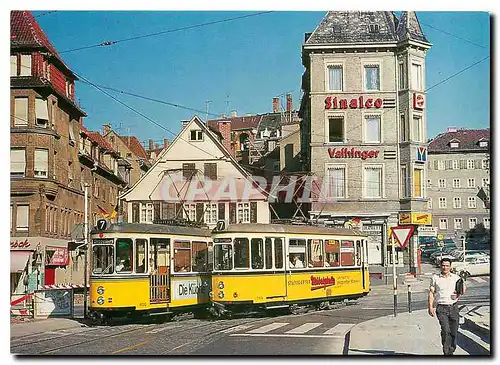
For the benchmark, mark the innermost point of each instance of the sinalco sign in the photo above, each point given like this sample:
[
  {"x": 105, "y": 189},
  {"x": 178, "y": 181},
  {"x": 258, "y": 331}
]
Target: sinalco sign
[{"x": 354, "y": 103}]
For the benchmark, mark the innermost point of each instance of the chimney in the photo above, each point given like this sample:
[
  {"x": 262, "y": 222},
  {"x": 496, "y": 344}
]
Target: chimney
[
  {"x": 234, "y": 113},
  {"x": 451, "y": 129},
  {"x": 106, "y": 128},
  {"x": 151, "y": 146},
  {"x": 289, "y": 104},
  {"x": 184, "y": 123},
  {"x": 224, "y": 128},
  {"x": 165, "y": 143},
  {"x": 276, "y": 105}
]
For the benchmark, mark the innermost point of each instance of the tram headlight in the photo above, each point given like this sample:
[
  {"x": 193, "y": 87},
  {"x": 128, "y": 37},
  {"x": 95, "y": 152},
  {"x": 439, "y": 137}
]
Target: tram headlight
[
  {"x": 100, "y": 300},
  {"x": 221, "y": 285},
  {"x": 221, "y": 294},
  {"x": 100, "y": 290}
]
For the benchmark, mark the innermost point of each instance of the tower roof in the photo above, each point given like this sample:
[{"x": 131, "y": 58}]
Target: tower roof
[{"x": 409, "y": 28}]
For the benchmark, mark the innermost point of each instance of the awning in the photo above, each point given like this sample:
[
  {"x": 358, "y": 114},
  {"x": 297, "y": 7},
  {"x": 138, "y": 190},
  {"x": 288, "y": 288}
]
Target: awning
[{"x": 18, "y": 260}]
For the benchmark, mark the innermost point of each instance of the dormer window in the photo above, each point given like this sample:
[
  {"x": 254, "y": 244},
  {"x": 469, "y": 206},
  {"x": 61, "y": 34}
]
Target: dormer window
[
  {"x": 374, "y": 28},
  {"x": 483, "y": 143},
  {"x": 454, "y": 144},
  {"x": 196, "y": 135}
]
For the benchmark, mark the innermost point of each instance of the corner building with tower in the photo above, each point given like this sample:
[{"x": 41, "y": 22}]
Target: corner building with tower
[{"x": 363, "y": 126}]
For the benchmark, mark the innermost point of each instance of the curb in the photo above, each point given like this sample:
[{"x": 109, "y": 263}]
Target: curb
[{"x": 477, "y": 328}]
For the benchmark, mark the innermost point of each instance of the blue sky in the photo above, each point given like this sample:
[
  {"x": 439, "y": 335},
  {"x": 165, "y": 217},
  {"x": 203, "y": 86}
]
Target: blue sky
[{"x": 246, "y": 62}]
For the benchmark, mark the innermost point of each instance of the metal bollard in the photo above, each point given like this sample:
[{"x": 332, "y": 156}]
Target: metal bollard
[
  {"x": 409, "y": 298},
  {"x": 395, "y": 302}
]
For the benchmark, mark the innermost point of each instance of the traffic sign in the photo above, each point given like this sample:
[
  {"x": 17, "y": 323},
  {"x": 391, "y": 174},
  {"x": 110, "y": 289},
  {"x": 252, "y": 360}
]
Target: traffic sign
[
  {"x": 440, "y": 237},
  {"x": 402, "y": 234}
]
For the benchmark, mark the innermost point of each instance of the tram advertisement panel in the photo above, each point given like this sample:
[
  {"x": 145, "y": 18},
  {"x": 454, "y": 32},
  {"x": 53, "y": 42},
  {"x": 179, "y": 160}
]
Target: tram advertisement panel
[{"x": 191, "y": 288}]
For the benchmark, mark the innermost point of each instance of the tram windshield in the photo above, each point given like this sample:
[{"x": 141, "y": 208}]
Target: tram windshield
[
  {"x": 223, "y": 257},
  {"x": 102, "y": 259}
]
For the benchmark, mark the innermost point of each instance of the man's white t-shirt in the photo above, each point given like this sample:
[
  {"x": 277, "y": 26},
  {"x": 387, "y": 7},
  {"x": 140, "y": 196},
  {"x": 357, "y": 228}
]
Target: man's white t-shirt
[{"x": 444, "y": 288}]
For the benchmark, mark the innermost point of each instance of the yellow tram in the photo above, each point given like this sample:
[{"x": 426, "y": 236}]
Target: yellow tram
[
  {"x": 266, "y": 266},
  {"x": 148, "y": 269}
]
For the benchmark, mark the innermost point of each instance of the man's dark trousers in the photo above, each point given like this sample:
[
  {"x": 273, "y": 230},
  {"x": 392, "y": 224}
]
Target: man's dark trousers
[{"x": 448, "y": 319}]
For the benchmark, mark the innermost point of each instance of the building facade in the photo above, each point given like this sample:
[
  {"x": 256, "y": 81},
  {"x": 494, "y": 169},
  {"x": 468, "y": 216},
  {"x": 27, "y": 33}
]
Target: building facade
[
  {"x": 364, "y": 126},
  {"x": 459, "y": 166}
]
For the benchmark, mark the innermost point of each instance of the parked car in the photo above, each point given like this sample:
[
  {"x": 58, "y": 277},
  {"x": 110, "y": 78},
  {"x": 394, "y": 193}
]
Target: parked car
[
  {"x": 473, "y": 266},
  {"x": 471, "y": 253},
  {"x": 428, "y": 252}
]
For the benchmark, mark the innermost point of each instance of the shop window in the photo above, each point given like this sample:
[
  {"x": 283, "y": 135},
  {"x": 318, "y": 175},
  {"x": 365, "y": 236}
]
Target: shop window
[
  {"x": 241, "y": 254},
  {"x": 199, "y": 253},
  {"x": 140, "y": 256},
  {"x": 297, "y": 249},
  {"x": 182, "y": 256},
  {"x": 124, "y": 258},
  {"x": 268, "y": 253},
  {"x": 257, "y": 253},
  {"x": 315, "y": 253},
  {"x": 278, "y": 253},
  {"x": 347, "y": 253},
  {"x": 332, "y": 253}
]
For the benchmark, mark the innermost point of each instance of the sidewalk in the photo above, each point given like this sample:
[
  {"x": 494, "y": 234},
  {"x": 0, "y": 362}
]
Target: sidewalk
[
  {"x": 38, "y": 326},
  {"x": 414, "y": 333}
]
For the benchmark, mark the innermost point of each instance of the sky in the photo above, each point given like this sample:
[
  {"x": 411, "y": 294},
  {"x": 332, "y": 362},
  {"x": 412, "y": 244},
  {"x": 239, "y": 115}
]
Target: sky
[{"x": 241, "y": 64}]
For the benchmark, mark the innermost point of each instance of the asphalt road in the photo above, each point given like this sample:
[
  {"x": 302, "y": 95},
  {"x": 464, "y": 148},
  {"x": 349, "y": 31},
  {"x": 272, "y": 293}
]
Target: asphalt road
[{"x": 312, "y": 333}]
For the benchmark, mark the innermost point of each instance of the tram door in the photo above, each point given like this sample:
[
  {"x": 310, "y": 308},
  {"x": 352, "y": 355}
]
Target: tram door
[{"x": 159, "y": 279}]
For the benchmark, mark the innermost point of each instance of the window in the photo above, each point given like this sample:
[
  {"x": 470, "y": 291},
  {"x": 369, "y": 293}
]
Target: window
[
  {"x": 20, "y": 111},
  {"x": 418, "y": 129},
  {"x": 11, "y": 216},
  {"x": 440, "y": 165},
  {"x": 429, "y": 203},
  {"x": 211, "y": 213},
  {"x": 147, "y": 212},
  {"x": 243, "y": 212},
  {"x": 372, "y": 78},
  {"x": 223, "y": 257},
  {"x": 336, "y": 187},
  {"x": 347, "y": 253},
  {"x": 470, "y": 164},
  {"x": 182, "y": 256},
  {"x": 458, "y": 223},
  {"x": 416, "y": 76},
  {"x": 278, "y": 253},
  {"x": 140, "y": 256},
  {"x": 471, "y": 182},
  {"x": 196, "y": 135},
  {"x": 42, "y": 163},
  {"x": 188, "y": 170},
  {"x": 22, "y": 218},
  {"x": 442, "y": 203},
  {"x": 402, "y": 75},
  {"x": 241, "y": 253},
  {"x": 429, "y": 183},
  {"x": 403, "y": 130},
  {"x": 472, "y": 222},
  {"x": 257, "y": 252},
  {"x": 190, "y": 212},
  {"x": 373, "y": 129},
  {"x": 483, "y": 143},
  {"x": 124, "y": 255},
  {"x": 72, "y": 135},
  {"x": 454, "y": 144},
  {"x": 457, "y": 202},
  {"x": 404, "y": 182},
  {"x": 418, "y": 183},
  {"x": 335, "y": 129},
  {"x": 268, "y": 253},
  {"x": 442, "y": 183},
  {"x": 210, "y": 171},
  {"x": 297, "y": 250},
  {"x": 25, "y": 65},
  {"x": 373, "y": 181},
  {"x": 485, "y": 182},
  {"x": 315, "y": 253},
  {"x": 332, "y": 252},
  {"x": 13, "y": 65},
  {"x": 41, "y": 113},
  {"x": 102, "y": 259},
  {"x": 456, "y": 183},
  {"x": 199, "y": 253},
  {"x": 471, "y": 202},
  {"x": 17, "y": 162},
  {"x": 485, "y": 164},
  {"x": 456, "y": 164},
  {"x": 335, "y": 78},
  {"x": 443, "y": 223},
  {"x": 373, "y": 28},
  {"x": 486, "y": 222}
]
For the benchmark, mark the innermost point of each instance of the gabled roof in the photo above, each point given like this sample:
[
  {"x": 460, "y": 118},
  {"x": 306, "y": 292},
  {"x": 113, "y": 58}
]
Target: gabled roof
[
  {"x": 246, "y": 122},
  {"x": 26, "y": 33},
  {"x": 409, "y": 28},
  {"x": 340, "y": 27},
  {"x": 98, "y": 139},
  {"x": 135, "y": 146},
  {"x": 469, "y": 140}
]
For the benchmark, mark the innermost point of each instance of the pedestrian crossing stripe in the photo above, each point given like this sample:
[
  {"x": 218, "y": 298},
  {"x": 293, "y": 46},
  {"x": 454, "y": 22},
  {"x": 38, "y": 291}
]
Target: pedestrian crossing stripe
[
  {"x": 338, "y": 331},
  {"x": 306, "y": 327},
  {"x": 268, "y": 327}
]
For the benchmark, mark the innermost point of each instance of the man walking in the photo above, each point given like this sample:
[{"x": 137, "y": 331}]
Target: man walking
[{"x": 443, "y": 299}]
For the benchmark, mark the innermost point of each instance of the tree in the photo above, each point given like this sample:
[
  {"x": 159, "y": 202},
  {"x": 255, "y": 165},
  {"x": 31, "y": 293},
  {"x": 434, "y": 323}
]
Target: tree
[{"x": 478, "y": 233}]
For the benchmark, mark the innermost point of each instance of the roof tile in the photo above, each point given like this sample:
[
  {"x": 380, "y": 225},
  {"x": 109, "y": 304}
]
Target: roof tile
[
  {"x": 135, "y": 146},
  {"x": 469, "y": 140}
]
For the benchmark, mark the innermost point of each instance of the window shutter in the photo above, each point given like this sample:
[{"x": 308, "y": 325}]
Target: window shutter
[
  {"x": 448, "y": 164},
  {"x": 164, "y": 210},
  {"x": 210, "y": 170},
  {"x": 22, "y": 216},
  {"x": 41, "y": 109},
  {"x": 222, "y": 211},
  {"x": 435, "y": 165},
  {"x": 232, "y": 213},
  {"x": 25, "y": 65},
  {"x": 156, "y": 210},
  {"x": 135, "y": 212},
  {"x": 463, "y": 164},
  {"x": 169, "y": 211},
  {"x": 21, "y": 111},
  {"x": 199, "y": 212},
  {"x": 13, "y": 65},
  {"x": 253, "y": 212},
  {"x": 188, "y": 170},
  {"x": 42, "y": 161},
  {"x": 178, "y": 210},
  {"x": 18, "y": 161},
  {"x": 477, "y": 164}
]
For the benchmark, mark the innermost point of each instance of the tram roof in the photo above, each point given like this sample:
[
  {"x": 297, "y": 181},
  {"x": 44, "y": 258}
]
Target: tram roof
[
  {"x": 286, "y": 228},
  {"x": 146, "y": 228}
]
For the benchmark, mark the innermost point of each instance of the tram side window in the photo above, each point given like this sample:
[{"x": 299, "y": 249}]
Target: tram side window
[
  {"x": 268, "y": 253},
  {"x": 278, "y": 253},
  {"x": 182, "y": 256},
  {"x": 347, "y": 253},
  {"x": 315, "y": 253},
  {"x": 223, "y": 257},
  {"x": 124, "y": 255},
  {"x": 199, "y": 256},
  {"x": 241, "y": 254},
  {"x": 160, "y": 255},
  {"x": 257, "y": 251},
  {"x": 297, "y": 249},
  {"x": 332, "y": 252},
  {"x": 102, "y": 259},
  {"x": 358, "y": 252},
  {"x": 140, "y": 255}
]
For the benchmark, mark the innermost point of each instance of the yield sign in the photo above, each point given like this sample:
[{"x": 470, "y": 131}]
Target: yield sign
[{"x": 402, "y": 234}]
